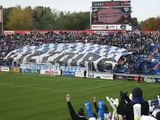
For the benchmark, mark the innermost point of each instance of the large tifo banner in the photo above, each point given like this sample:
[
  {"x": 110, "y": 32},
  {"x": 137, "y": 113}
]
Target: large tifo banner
[{"x": 95, "y": 57}]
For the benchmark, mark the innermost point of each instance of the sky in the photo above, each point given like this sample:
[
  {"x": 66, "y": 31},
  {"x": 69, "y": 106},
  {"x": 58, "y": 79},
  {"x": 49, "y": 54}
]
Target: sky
[{"x": 142, "y": 9}]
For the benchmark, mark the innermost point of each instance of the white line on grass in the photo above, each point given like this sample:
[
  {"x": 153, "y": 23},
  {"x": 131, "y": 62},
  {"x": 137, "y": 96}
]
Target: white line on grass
[
  {"x": 96, "y": 87},
  {"x": 56, "y": 90},
  {"x": 34, "y": 87}
]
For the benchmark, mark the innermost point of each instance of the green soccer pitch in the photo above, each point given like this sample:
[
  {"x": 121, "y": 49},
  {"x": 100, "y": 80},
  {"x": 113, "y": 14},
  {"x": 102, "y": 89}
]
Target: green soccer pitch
[{"x": 39, "y": 97}]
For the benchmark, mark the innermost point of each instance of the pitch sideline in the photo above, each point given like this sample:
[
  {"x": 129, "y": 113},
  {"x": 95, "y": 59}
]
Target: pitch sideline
[{"x": 56, "y": 90}]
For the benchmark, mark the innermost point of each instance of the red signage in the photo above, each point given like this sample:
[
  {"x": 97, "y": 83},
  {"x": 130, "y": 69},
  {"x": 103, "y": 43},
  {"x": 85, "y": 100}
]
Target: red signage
[
  {"x": 111, "y": 3},
  {"x": 1, "y": 15}
]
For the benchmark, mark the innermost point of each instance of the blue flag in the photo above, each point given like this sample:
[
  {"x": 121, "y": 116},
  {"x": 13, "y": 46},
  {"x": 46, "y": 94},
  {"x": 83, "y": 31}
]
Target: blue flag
[
  {"x": 89, "y": 109},
  {"x": 101, "y": 109}
]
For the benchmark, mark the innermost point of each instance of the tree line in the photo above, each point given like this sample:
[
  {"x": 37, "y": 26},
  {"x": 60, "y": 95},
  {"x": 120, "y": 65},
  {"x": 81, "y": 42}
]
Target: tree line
[{"x": 45, "y": 18}]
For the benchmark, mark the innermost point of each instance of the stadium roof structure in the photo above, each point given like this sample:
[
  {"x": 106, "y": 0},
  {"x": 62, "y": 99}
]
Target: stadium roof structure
[{"x": 93, "y": 56}]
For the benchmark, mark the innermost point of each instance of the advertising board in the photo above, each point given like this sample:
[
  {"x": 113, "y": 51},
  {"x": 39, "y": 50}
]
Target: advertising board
[
  {"x": 107, "y": 76},
  {"x": 5, "y": 69},
  {"x": 80, "y": 74},
  {"x": 111, "y": 27},
  {"x": 68, "y": 73},
  {"x": 33, "y": 71},
  {"x": 50, "y": 72},
  {"x": 15, "y": 69}
]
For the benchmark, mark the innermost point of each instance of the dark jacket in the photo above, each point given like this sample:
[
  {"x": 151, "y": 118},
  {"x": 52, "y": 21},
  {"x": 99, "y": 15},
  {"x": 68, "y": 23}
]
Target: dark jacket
[
  {"x": 73, "y": 114},
  {"x": 126, "y": 109}
]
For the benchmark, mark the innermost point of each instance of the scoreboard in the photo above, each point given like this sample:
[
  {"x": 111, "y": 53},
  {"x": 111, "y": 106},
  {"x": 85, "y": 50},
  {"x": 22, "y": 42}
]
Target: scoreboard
[{"x": 111, "y": 15}]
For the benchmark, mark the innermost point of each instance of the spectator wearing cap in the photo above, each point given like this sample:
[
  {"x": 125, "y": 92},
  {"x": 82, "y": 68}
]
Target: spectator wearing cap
[
  {"x": 125, "y": 107},
  {"x": 74, "y": 115}
]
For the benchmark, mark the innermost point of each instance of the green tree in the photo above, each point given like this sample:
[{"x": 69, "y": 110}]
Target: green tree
[
  {"x": 6, "y": 12},
  {"x": 37, "y": 14},
  {"x": 20, "y": 19},
  {"x": 134, "y": 22},
  {"x": 47, "y": 21},
  {"x": 151, "y": 24},
  {"x": 74, "y": 21}
]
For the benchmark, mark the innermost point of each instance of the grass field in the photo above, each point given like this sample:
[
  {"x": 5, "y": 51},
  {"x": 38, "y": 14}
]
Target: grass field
[{"x": 37, "y": 97}]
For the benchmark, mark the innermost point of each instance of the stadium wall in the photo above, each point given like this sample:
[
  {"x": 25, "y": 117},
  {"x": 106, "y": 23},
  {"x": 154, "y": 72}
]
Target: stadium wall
[{"x": 8, "y": 32}]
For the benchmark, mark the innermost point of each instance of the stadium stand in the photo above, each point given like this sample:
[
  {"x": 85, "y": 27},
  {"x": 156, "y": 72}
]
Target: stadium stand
[{"x": 144, "y": 47}]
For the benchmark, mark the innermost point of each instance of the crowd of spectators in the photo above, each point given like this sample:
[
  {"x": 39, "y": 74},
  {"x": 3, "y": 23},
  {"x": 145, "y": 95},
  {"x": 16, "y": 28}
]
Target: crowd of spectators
[
  {"x": 132, "y": 107},
  {"x": 139, "y": 43}
]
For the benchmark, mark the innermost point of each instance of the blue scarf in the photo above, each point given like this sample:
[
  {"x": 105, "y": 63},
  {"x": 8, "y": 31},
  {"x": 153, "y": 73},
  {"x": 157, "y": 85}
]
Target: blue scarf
[{"x": 138, "y": 100}]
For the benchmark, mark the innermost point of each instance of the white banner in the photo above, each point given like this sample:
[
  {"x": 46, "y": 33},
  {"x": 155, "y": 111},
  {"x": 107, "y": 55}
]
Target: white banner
[
  {"x": 79, "y": 74},
  {"x": 112, "y": 27},
  {"x": 107, "y": 76},
  {"x": 4, "y": 69},
  {"x": 50, "y": 72},
  {"x": 9, "y": 32}
]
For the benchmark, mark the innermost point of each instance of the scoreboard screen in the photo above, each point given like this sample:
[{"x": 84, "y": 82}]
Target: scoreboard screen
[{"x": 110, "y": 13}]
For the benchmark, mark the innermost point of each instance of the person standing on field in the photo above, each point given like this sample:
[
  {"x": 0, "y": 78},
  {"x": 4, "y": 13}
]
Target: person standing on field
[
  {"x": 139, "y": 78},
  {"x": 85, "y": 74}
]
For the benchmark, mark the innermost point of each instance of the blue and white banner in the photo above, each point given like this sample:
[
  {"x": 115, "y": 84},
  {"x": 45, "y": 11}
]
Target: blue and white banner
[
  {"x": 68, "y": 73},
  {"x": 40, "y": 66},
  {"x": 101, "y": 109},
  {"x": 52, "y": 67},
  {"x": 34, "y": 71},
  {"x": 89, "y": 109},
  {"x": 73, "y": 68}
]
